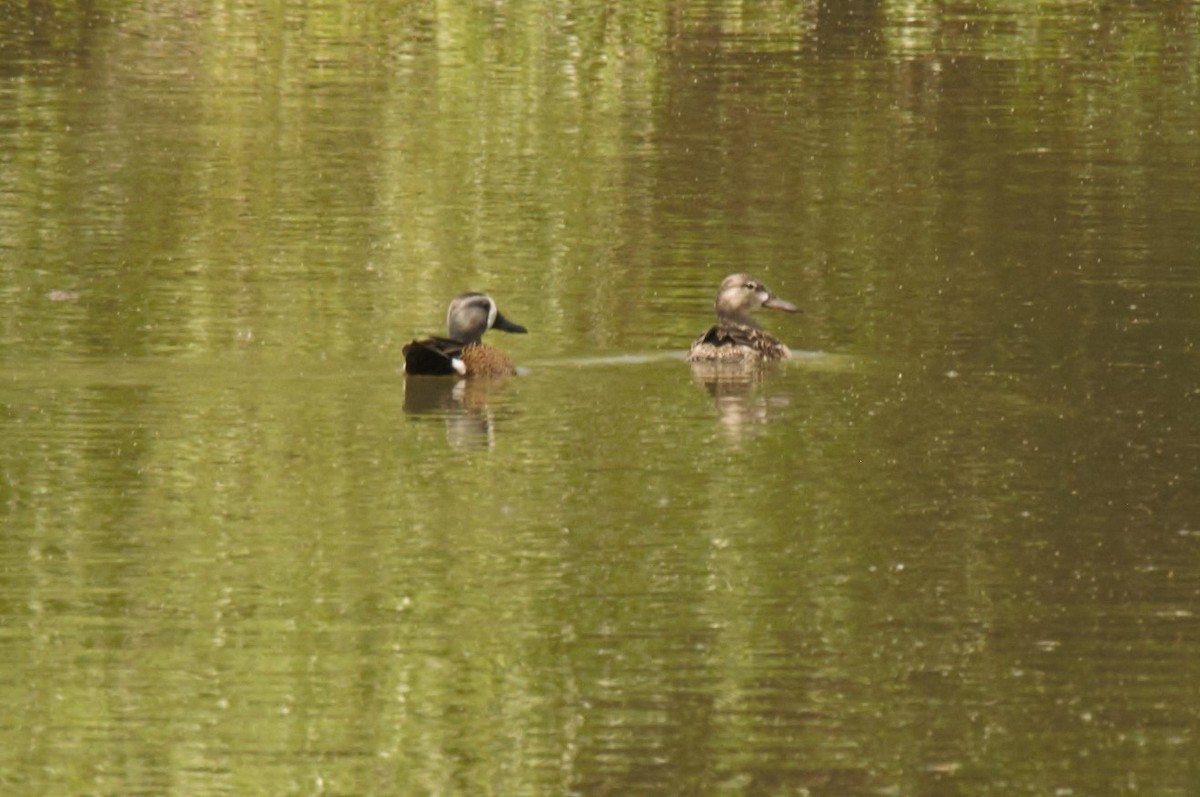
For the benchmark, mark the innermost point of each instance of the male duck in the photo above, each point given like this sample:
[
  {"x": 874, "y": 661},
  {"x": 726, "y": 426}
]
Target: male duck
[
  {"x": 464, "y": 353},
  {"x": 736, "y": 337}
]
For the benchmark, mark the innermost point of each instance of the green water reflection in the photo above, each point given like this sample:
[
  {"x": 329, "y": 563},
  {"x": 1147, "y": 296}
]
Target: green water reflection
[{"x": 950, "y": 548}]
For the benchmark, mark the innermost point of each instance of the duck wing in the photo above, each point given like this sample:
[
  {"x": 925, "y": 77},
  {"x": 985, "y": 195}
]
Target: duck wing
[
  {"x": 736, "y": 337},
  {"x": 433, "y": 357},
  {"x": 725, "y": 335}
]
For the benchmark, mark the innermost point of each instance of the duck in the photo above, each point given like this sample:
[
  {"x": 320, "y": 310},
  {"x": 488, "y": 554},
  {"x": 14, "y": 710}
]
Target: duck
[
  {"x": 463, "y": 352},
  {"x": 736, "y": 337}
]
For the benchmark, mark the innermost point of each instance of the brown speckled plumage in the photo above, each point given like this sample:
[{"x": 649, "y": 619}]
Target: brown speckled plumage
[
  {"x": 736, "y": 337},
  {"x": 481, "y": 359},
  {"x": 463, "y": 352},
  {"x": 735, "y": 343}
]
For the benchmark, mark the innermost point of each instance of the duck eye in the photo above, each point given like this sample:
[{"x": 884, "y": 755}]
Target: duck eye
[{"x": 751, "y": 286}]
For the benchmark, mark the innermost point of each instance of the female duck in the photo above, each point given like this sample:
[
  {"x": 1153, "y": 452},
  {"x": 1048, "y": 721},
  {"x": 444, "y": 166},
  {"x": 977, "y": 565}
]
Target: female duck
[
  {"x": 464, "y": 352},
  {"x": 736, "y": 337}
]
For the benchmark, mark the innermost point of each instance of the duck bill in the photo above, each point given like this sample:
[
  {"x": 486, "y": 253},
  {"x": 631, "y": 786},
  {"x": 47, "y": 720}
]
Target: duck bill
[
  {"x": 504, "y": 325},
  {"x": 775, "y": 303}
]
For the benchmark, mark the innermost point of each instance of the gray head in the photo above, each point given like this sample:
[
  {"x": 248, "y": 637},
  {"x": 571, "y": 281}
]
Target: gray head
[
  {"x": 472, "y": 314},
  {"x": 741, "y": 294}
]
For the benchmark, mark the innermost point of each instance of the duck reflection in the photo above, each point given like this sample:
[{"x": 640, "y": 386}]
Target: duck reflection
[
  {"x": 463, "y": 403},
  {"x": 737, "y": 390}
]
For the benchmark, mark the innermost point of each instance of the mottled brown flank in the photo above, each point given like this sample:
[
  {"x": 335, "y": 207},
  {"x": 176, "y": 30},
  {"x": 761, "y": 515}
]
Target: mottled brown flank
[
  {"x": 483, "y": 360},
  {"x": 725, "y": 343}
]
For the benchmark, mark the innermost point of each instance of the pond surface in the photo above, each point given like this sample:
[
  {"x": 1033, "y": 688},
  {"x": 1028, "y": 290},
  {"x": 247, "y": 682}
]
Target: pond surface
[{"x": 951, "y": 547}]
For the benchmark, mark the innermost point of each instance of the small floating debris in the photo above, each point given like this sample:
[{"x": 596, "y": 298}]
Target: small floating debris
[
  {"x": 63, "y": 296},
  {"x": 944, "y": 767}
]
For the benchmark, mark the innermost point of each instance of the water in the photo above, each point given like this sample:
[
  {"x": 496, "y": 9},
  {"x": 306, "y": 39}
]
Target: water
[{"x": 950, "y": 548}]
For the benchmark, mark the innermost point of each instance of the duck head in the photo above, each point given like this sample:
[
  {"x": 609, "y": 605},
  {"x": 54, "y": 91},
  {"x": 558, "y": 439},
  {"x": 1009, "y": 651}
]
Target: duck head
[
  {"x": 472, "y": 314},
  {"x": 742, "y": 294}
]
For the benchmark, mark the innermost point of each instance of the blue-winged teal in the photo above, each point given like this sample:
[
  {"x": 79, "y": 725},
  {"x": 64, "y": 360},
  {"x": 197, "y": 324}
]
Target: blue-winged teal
[
  {"x": 736, "y": 337},
  {"x": 463, "y": 352}
]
